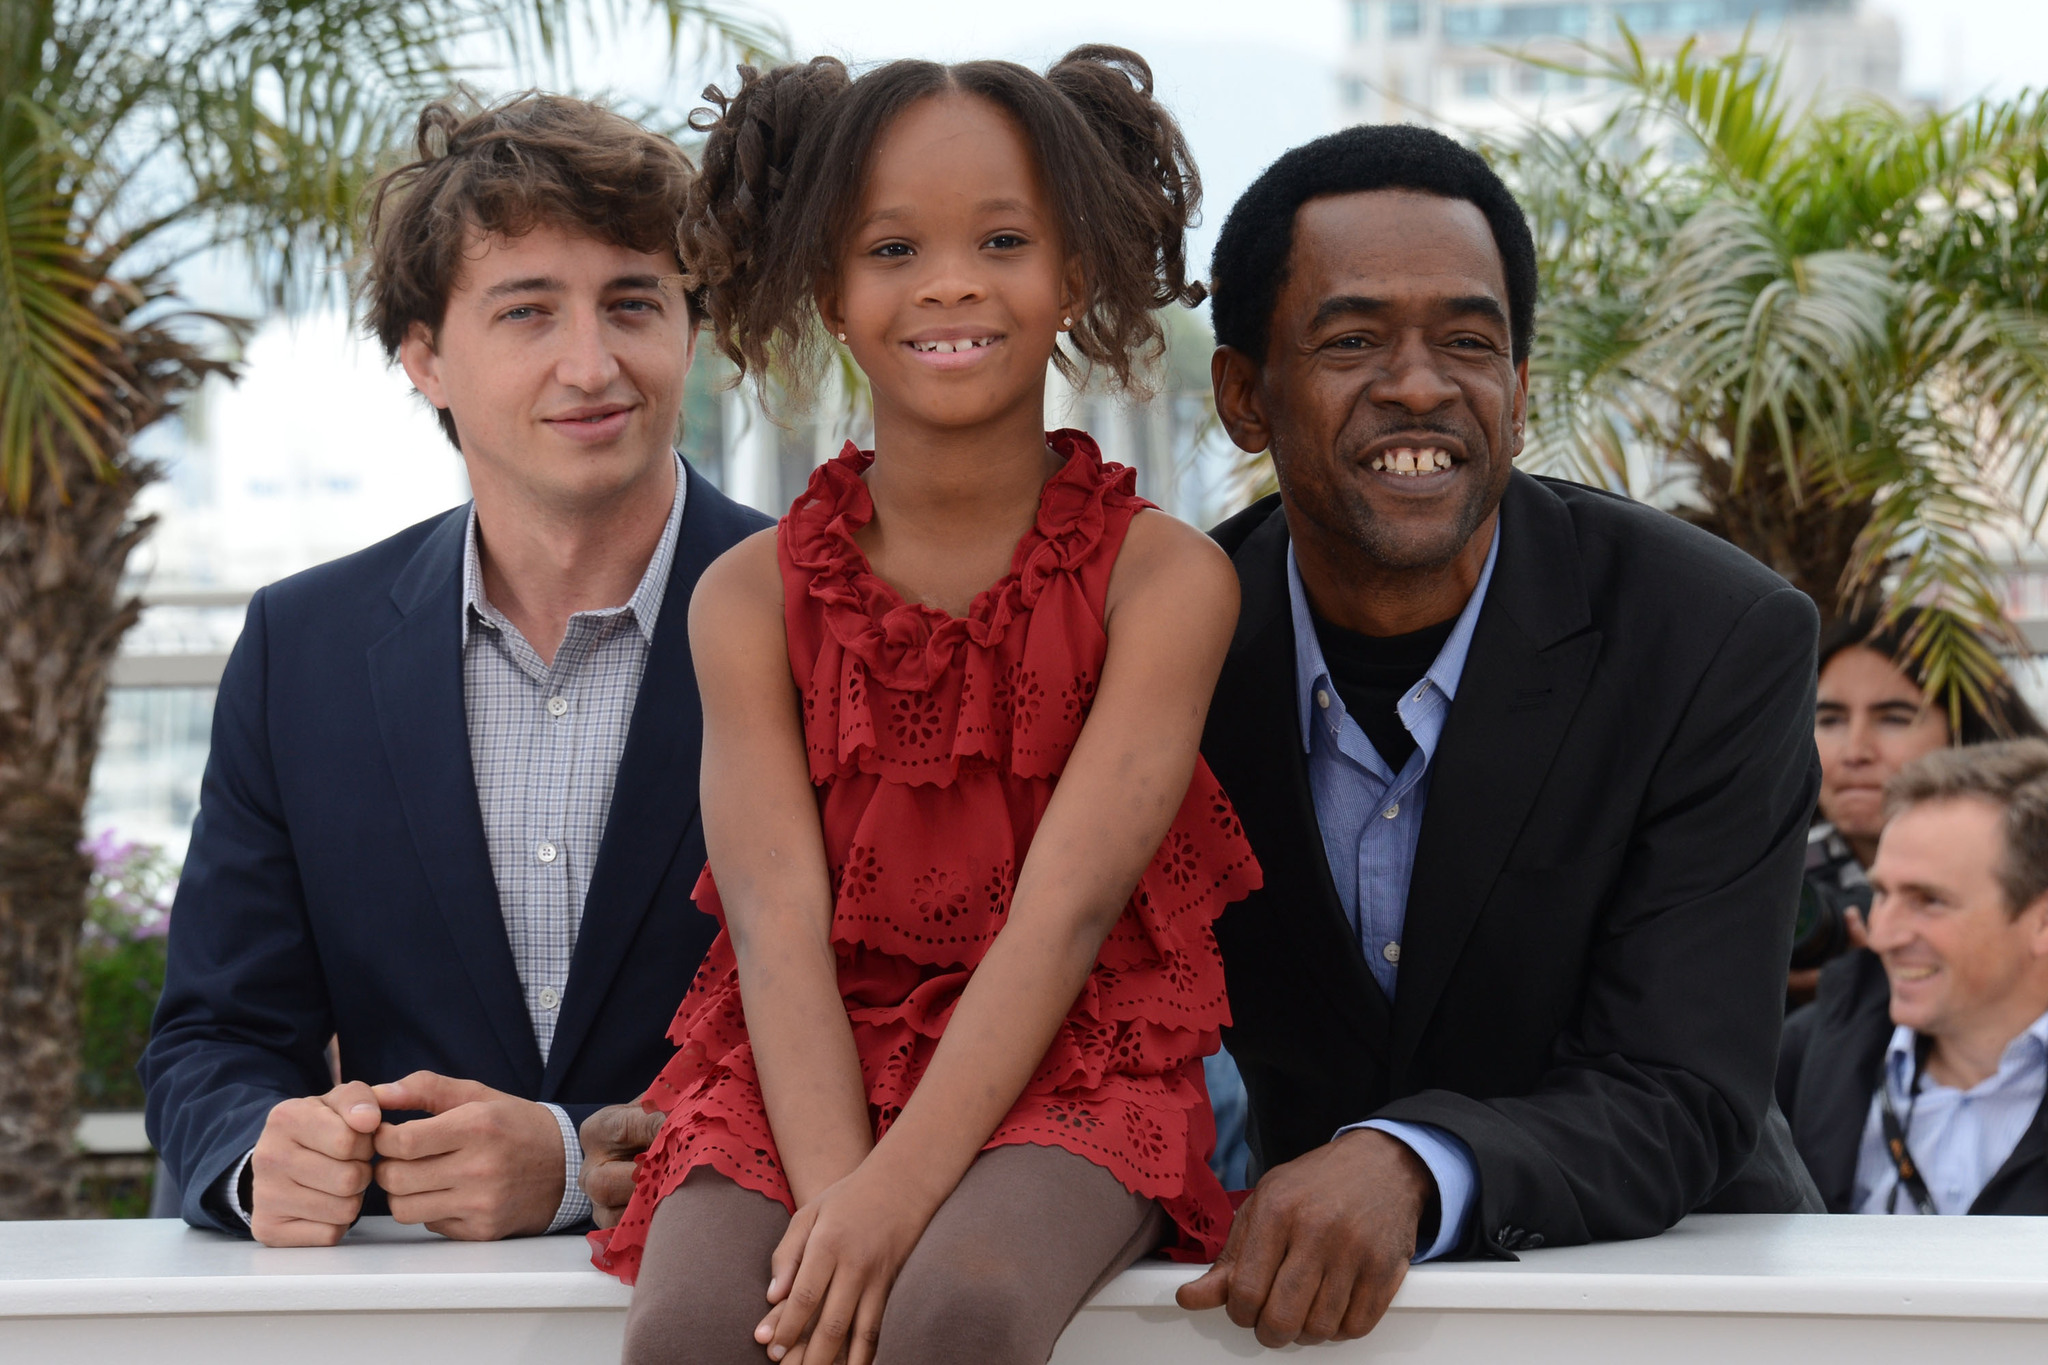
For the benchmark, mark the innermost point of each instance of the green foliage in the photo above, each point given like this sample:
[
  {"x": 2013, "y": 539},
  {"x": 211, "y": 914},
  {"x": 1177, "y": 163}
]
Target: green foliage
[
  {"x": 121, "y": 967},
  {"x": 1815, "y": 331},
  {"x": 135, "y": 134},
  {"x": 118, "y": 986}
]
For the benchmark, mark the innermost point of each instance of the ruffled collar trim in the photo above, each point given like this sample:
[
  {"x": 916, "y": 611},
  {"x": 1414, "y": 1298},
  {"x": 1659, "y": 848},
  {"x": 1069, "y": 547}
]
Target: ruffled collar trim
[{"x": 907, "y": 644}]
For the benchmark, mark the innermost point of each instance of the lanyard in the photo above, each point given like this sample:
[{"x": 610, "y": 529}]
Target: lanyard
[{"x": 1895, "y": 1134}]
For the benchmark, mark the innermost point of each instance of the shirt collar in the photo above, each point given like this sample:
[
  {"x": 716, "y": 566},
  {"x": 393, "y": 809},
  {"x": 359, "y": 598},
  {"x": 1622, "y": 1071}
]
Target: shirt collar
[
  {"x": 644, "y": 605},
  {"x": 1311, "y": 672},
  {"x": 2031, "y": 1041}
]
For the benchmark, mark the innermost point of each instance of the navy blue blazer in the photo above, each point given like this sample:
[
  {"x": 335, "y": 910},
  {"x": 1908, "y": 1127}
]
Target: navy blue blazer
[{"x": 338, "y": 880}]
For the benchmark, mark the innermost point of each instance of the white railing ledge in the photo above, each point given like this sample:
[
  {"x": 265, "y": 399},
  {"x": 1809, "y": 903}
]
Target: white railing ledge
[
  {"x": 1755, "y": 1289},
  {"x": 159, "y": 1265}
]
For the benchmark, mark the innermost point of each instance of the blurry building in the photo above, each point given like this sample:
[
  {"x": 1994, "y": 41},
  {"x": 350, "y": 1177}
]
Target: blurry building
[{"x": 1458, "y": 63}]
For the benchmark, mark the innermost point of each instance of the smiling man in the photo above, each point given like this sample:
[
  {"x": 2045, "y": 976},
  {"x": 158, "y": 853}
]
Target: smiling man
[
  {"x": 1915, "y": 1082},
  {"x": 449, "y": 820},
  {"x": 1528, "y": 767}
]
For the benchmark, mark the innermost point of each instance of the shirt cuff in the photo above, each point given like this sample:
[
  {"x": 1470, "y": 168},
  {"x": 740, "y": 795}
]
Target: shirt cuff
[
  {"x": 1451, "y": 1165},
  {"x": 229, "y": 1190},
  {"x": 575, "y": 1206}
]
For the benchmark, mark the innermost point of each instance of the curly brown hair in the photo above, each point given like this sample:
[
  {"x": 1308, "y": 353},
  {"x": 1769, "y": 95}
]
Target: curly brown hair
[
  {"x": 502, "y": 170},
  {"x": 787, "y": 155}
]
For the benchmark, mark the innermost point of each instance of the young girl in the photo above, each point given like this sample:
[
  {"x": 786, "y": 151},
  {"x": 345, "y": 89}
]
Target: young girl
[{"x": 941, "y": 1075}]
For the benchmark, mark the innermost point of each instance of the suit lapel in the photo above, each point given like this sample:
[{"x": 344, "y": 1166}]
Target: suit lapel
[
  {"x": 1532, "y": 653},
  {"x": 654, "y": 797},
  {"x": 1844, "y": 1056},
  {"x": 416, "y": 681},
  {"x": 1254, "y": 748}
]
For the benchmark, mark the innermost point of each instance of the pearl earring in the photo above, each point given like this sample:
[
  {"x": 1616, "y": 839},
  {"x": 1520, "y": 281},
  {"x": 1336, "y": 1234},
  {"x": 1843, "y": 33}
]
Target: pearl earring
[{"x": 842, "y": 336}]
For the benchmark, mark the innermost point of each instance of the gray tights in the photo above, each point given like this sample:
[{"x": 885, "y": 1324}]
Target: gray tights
[{"x": 1027, "y": 1238}]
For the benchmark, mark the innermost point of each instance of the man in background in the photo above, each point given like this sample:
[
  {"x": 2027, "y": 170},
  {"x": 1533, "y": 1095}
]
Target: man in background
[
  {"x": 450, "y": 816},
  {"x": 1915, "y": 1082}
]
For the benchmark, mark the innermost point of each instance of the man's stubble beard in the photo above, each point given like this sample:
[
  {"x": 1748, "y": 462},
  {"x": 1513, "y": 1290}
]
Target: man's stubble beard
[{"x": 1348, "y": 516}]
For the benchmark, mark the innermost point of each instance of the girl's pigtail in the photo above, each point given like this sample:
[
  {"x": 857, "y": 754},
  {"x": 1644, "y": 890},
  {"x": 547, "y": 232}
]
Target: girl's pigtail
[
  {"x": 732, "y": 238},
  {"x": 1157, "y": 194}
]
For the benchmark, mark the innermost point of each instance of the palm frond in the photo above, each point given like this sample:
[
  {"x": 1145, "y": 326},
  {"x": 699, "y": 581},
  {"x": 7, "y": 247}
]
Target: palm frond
[
  {"x": 51, "y": 382},
  {"x": 1924, "y": 546},
  {"x": 135, "y": 133},
  {"x": 1822, "y": 333},
  {"x": 541, "y": 36},
  {"x": 1982, "y": 368}
]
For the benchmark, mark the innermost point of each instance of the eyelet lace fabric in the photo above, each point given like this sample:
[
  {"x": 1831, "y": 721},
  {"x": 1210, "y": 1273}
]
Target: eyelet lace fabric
[{"x": 934, "y": 743}]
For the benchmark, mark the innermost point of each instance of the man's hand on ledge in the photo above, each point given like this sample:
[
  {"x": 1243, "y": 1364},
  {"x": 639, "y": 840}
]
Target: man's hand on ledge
[
  {"x": 311, "y": 1166},
  {"x": 611, "y": 1138},
  {"x": 486, "y": 1165},
  {"x": 1319, "y": 1249}
]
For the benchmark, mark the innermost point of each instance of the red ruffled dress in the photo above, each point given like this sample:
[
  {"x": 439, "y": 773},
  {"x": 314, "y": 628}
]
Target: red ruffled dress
[{"x": 934, "y": 743}]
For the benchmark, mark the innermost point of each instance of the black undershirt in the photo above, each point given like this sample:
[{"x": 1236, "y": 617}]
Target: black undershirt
[{"x": 1373, "y": 672}]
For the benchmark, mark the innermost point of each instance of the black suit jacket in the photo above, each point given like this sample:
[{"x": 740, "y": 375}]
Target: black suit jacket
[
  {"x": 1827, "y": 1073},
  {"x": 1592, "y": 969},
  {"x": 338, "y": 881}
]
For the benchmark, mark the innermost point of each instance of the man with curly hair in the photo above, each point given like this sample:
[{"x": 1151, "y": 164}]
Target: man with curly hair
[{"x": 450, "y": 818}]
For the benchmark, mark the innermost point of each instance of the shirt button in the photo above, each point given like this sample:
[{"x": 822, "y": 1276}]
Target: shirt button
[
  {"x": 558, "y": 707},
  {"x": 549, "y": 997},
  {"x": 1391, "y": 811},
  {"x": 547, "y": 853},
  {"x": 1392, "y": 952},
  {"x": 1322, "y": 699}
]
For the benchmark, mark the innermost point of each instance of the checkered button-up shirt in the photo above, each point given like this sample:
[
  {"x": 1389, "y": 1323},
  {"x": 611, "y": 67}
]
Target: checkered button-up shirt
[{"x": 545, "y": 741}]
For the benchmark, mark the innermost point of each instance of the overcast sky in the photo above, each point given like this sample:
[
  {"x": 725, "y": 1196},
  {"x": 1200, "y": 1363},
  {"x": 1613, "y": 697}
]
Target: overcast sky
[
  {"x": 1962, "y": 43},
  {"x": 1959, "y": 46}
]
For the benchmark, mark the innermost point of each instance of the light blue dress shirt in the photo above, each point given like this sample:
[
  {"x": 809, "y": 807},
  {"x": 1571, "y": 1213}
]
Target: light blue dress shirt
[
  {"x": 1958, "y": 1138},
  {"x": 1371, "y": 819}
]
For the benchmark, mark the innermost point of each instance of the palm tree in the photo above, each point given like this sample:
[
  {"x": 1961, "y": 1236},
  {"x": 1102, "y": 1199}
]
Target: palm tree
[
  {"x": 1814, "y": 332},
  {"x": 135, "y": 134}
]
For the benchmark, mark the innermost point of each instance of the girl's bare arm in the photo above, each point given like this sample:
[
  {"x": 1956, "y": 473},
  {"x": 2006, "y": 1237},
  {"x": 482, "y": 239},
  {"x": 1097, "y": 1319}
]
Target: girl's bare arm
[
  {"x": 1172, "y": 607},
  {"x": 768, "y": 855}
]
